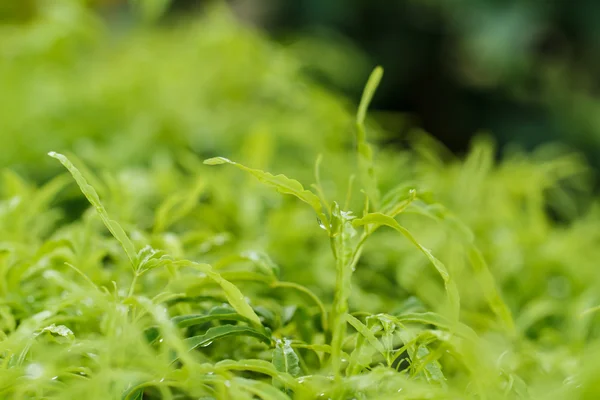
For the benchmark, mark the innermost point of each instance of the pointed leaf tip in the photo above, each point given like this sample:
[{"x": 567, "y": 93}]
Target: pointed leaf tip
[
  {"x": 368, "y": 92},
  {"x": 218, "y": 161}
]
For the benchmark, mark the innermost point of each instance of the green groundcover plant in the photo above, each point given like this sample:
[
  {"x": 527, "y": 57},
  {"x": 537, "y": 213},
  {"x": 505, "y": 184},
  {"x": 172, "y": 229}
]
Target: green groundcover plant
[{"x": 161, "y": 253}]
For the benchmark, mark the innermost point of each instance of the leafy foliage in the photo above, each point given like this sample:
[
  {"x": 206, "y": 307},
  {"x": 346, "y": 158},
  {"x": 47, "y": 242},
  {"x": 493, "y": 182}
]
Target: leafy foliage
[{"x": 186, "y": 281}]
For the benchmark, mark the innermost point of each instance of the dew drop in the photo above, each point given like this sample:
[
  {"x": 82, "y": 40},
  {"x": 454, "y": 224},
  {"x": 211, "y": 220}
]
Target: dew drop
[
  {"x": 321, "y": 224},
  {"x": 34, "y": 371}
]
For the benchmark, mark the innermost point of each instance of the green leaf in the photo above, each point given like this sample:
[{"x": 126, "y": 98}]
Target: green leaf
[
  {"x": 379, "y": 219},
  {"x": 307, "y": 292},
  {"x": 90, "y": 193},
  {"x": 177, "y": 206},
  {"x": 266, "y": 368},
  {"x": 138, "y": 395},
  {"x": 233, "y": 294},
  {"x": 165, "y": 297},
  {"x": 365, "y": 152},
  {"x": 281, "y": 183},
  {"x": 490, "y": 289},
  {"x": 366, "y": 333},
  {"x": 137, "y": 392},
  {"x": 184, "y": 321},
  {"x": 261, "y": 389},
  {"x": 218, "y": 161},
  {"x": 285, "y": 358},
  {"x": 223, "y": 331},
  {"x": 368, "y": 94},
  {"x": 59, "y": 330},
  {"x": 482, "y": 272},
  {"x": 398, "y": 200},
  {"x": 431, "y": 318},
  {"x": 149, "y": 258},
  {"x": 261, "y": 260},
  {"x": 431, "y": 368}
]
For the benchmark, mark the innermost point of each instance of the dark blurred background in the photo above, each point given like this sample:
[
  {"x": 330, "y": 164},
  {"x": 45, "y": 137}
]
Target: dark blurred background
[{"x": 522, "y": 70}]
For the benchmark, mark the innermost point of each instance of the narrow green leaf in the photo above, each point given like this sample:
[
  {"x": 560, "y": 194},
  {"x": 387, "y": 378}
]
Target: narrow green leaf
[
  {"x": 365, "y": 152},
  {"x": 176, "y": 207},
  {"x": 218, "y": 161},
  {"x": 431, "y": 318},
  {"x": 266, "y": 368},
  {"x": 366, "y": 333},
  {"x": 285, "y": 358},
  {"x": 223, "y": 331},
  {"x": 137, "y": 392},
  {"x": 59, "y": 330},
  {"x": 90, "y": 193},
  {"x": 184, "y": 321},
  {"x": 165, "y": 297},
  {"x": 309, "y": 293},
  {"x": 261, "y": 389},
  {"x": 431, "y": 368},
  {"x": 139, "y": 395},
  {"x": 233, "y": 294},
  {"x": 482, "y": 272},
  {"x": 379, "y": 219},
  {"x": 261, "y": 260},
  {"x": 248, "y": 276},
  {"x": 398, "y": 200},
  {"x": 368, "y": 93},
  {"x": 490, "y": 289},
  {"x": 281, "y": 183}
]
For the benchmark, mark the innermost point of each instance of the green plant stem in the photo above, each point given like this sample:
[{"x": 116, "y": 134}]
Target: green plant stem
[
  {"x": 133, "y": 282},
  {"x": 344, "y": 270}
]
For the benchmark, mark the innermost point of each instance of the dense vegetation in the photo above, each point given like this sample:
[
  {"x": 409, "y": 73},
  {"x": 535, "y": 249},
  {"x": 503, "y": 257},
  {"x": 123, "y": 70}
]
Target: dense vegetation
[{"x": 143, "y": 271}]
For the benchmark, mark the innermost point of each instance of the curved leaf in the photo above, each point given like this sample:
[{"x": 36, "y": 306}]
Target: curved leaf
[
  {"x": 185, "y": 321},
  {"x": 281, "y": 183},
  {"x": 379, "y": 219},
  {"x": 261, "y": 389},
  {"x": 233, "y": 294},
  {"x": 223, "y": 331},
  {"x": 266, "y": 368},
  {"x": 366, "y": 333},
  {"x": 365, "y": 151},
  {"x": 90, "y": 193}
]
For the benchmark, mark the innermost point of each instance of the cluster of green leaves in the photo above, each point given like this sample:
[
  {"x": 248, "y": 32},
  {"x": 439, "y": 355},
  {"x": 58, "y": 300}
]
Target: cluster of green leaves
[{"x": 398, "y": 274}]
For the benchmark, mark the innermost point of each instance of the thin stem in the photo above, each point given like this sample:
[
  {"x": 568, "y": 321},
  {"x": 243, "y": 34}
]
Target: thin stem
[
  {"x": 344, "y": 268},
  {"x": 340, "y": 308},
  {"x": 133, "y": 282},
  {"x": 300, "y": 288}
]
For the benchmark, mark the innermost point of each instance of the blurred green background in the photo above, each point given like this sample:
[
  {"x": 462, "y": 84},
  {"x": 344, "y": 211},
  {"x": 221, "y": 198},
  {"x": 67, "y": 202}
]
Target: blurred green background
[{"x": 524, "y": 70}]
